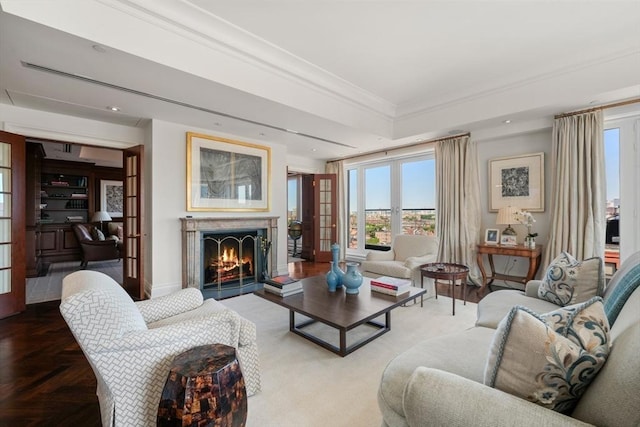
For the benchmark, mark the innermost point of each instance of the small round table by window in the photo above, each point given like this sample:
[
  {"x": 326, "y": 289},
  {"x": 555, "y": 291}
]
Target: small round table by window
[{"x": 449, "y": 272}]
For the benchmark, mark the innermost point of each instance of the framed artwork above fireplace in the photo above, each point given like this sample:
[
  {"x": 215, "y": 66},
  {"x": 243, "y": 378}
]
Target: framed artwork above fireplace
[{"x": 227, "y": 175}]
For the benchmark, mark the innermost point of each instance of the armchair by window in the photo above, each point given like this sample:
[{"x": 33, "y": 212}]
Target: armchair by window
[
  {"x": 130, "y": 345},
  {"x": 407, "y": 254},
  {"x": 93, "y": 247}
]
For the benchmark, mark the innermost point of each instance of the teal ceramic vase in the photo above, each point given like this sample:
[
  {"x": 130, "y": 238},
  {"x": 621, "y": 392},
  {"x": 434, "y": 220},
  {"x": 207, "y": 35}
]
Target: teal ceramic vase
[
  {"x": 332, "y": 278},
  {"x": 335, "y": 252},
  {"x": 352, "y": 279}
]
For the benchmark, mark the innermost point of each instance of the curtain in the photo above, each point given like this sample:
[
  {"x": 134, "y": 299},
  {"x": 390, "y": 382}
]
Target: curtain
[
  {"x": 337, "y": 168},
  {"x": 578, "y": 206},
  {"x": 458, "y": 202}
]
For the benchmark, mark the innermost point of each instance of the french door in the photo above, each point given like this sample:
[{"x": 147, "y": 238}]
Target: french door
[
  {"x": 133, "y": 227},
  {"x": 12, "y": 224},
  {"x": 390, "y": 198}
]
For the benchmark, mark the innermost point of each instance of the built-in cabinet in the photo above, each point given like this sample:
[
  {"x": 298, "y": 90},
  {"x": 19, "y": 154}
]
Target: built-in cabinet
[{"x": 59, "y": 193}]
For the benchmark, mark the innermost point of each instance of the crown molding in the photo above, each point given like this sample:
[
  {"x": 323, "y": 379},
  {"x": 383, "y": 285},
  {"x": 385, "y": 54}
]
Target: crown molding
[{"x": 184, "y": 19}]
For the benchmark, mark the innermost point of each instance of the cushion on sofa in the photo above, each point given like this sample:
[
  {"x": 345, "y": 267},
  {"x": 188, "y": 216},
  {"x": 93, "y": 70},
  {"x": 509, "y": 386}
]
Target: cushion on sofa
[
  {"x": 549, "y": 359},
  {"x": 621, "y": 286},
  {"x": 97, "y": 234},
  {"x": 462, "y": 353},
  {"x": 569, "y": 281},
  {"x": 495, "y": 306}
]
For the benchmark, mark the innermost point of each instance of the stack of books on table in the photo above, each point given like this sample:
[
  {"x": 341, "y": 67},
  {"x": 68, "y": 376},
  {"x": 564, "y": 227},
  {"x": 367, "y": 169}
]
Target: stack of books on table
[
  {"x": 282, "y": 285},
  {"x": 390, "y": 285}
]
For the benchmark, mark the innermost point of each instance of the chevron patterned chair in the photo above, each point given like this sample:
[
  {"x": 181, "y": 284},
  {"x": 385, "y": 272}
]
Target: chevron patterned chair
[{"x": 130, "y": 345}]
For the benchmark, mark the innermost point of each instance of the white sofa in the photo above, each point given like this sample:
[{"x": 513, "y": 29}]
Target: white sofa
[
  {"x": 408, "y": 252},
  {"x": 439, "y": 382},
  {"x": 130, "y": 345}
]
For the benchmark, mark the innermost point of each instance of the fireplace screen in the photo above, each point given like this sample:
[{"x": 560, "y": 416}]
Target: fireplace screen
[{"x": 230, "y": 259}]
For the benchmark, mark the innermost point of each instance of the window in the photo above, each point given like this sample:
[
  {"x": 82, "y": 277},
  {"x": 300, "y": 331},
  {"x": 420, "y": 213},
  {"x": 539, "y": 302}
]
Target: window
[
  {"x": 622, "y": 170},
  {"x": 293, "y": 198},
  {"x": 388, "y": 198}
]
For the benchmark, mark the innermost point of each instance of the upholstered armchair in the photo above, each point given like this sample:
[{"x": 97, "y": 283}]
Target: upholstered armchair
[
  {"x": 408, "y": 252},
  {"x": 94, "y": 245},
  {"x": 130, "y": 345}
]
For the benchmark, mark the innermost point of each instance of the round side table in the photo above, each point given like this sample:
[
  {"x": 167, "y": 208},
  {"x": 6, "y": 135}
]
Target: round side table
[{"x": 449, "y": 272}]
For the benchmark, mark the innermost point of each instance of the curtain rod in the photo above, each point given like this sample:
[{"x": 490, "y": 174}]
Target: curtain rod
[
  {"x": 431, "y": 141},
  {"x": 602, "y": 107}
]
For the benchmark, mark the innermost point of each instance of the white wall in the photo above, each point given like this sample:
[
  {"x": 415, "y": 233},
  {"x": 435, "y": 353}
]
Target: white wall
[
  {"x": 491, "y": 148},
  {"x": 167, "y": 186}
]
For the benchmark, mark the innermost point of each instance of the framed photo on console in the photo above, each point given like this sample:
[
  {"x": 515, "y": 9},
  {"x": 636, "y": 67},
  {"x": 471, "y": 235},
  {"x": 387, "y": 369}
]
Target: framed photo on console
[
  {"x": 491, "y": 236},
  {"x": 227, "y": 175},
  {"x": 508, "y": 240}
]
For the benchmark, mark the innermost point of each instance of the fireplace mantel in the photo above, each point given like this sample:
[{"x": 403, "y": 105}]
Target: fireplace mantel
[{"x": 192, "y": 229}]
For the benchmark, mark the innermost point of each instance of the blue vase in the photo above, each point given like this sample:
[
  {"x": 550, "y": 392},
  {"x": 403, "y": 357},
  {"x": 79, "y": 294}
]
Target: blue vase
[
  {"x": 352, "y": 279},
  {"x": 335, "y": 252},
  {"x": 332, "y": 279}
]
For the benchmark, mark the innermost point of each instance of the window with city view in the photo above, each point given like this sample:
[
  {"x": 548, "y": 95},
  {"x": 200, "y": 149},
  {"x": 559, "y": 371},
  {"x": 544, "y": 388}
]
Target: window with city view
[
  {"x": 390, "y": 198},
  {"x": 612, "y": 173}
]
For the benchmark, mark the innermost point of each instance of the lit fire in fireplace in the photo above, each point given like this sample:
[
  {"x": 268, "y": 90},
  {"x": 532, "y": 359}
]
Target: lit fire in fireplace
[{"x": 228, "y": 266}]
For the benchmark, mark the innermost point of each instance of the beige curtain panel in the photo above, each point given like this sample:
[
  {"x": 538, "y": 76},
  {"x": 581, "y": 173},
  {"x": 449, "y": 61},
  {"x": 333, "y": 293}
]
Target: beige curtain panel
[
  {"x": 458, "y": 202},
  {"x": 578, "y": 205}
]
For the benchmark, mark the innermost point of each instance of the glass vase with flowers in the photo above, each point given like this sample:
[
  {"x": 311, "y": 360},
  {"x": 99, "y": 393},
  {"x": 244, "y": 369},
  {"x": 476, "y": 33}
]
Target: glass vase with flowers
[{"x": 526, "y": 218}]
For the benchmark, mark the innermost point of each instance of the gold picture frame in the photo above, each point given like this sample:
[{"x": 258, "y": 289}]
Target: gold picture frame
[
  {"x": 517, "y": 181},
  {"x": 227, "y": 175}
]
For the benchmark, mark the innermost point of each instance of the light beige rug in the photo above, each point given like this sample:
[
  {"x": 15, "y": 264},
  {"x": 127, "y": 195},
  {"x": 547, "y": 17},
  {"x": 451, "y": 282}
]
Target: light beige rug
[
  {"x": 49, "y": 287},
  {"x": 304, "y": 385}
]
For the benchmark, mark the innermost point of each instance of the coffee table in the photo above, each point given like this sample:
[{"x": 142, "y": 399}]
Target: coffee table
[{"x": 340, "y": 311}]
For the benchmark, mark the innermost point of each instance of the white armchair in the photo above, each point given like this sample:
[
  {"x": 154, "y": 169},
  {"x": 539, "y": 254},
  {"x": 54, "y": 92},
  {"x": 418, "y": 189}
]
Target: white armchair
[
  {"x": 130, "y": 345},
  {"x": 408, "y": 252}
]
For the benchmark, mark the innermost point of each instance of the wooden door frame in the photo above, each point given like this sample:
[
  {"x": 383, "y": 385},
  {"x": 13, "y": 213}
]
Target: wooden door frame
[{"x": 13, "y": 302}]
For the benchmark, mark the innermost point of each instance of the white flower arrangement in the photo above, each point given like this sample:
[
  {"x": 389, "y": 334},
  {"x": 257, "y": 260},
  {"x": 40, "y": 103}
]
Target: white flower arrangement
[{"x": 526, "y": 218}]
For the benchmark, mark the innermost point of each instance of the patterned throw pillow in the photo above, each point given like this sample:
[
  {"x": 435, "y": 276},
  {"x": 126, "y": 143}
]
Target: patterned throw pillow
[
  {"x": 549, "y": 359},
  {"x": 97, "y": 234},
  {"x": 569, "y": 281}
]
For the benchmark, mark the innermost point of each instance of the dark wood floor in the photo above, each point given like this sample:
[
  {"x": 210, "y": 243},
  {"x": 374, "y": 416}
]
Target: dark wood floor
[{"x": 45, "y": 379}]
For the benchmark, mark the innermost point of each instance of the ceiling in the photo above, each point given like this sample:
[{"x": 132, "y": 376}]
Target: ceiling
[{"x": 328, "y": 79}]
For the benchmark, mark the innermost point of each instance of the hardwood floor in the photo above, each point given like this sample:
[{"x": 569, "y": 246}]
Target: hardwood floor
[{"x": 45, "y": 379}]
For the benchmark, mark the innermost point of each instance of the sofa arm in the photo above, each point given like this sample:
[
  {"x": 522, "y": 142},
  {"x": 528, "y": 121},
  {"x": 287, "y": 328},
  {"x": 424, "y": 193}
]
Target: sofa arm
[
  {"x": 374, "y": 255},
  {"x": 531, "y": 288},
  {"x": 416, "y": 261},
  {"x": 432, "y": 398},
  {"x": 178, "y": 302}
]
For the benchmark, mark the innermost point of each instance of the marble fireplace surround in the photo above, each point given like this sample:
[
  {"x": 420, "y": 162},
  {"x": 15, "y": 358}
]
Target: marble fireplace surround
[{"x": 193, "y": 228}]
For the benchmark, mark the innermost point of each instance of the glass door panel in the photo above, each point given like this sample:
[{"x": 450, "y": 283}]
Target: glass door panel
[
  {"x": 378, "y": 205},
  {"x": 418, "y": 197},
  {"x": 5, "y": 218}
]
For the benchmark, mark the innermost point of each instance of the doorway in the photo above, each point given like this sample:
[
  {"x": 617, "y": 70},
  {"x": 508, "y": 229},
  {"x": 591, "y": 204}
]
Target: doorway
[{"x": 67, "y": 184}]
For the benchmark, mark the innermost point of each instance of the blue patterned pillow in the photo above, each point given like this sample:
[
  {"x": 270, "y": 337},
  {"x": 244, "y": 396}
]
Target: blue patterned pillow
[
  {"x": 549, "y": 359},
  {"x": 569, "y": 281}
]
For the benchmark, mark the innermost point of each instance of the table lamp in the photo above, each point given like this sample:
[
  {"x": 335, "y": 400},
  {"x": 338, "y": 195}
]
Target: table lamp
[
  {"x": 507, "y": 216},
  {"x": 100, "y": 216}
]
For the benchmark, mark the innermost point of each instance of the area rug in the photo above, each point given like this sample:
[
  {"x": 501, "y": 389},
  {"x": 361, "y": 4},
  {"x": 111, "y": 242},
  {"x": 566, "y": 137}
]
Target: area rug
[
  {"x": 48, "y": 287},
  {"x": 304, "y": 385}
]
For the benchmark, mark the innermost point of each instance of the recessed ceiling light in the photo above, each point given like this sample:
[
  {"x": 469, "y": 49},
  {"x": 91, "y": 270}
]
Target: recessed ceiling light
[
  {"x": 113, "y": 108},
  {"x": 507, "y": 121},
  {"x": 314, "y": 149}
]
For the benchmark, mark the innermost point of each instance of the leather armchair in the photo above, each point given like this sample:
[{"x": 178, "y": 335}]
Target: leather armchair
[
  {"x": 94, "y": 249},
  {"x": 130, "y": 345}
]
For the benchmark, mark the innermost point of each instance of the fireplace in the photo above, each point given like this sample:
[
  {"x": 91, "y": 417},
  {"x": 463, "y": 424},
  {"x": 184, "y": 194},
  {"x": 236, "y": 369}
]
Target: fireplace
[
  {"x": 230, "y": 258},
  {"x": 224, "y": 256}
]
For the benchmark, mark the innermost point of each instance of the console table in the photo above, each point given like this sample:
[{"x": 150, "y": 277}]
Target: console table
[{"x": 534, "y": 256}]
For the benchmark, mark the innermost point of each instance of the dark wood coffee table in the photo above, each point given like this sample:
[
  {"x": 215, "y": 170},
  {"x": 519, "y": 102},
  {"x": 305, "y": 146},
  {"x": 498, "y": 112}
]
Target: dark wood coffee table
[{"x": 340, "y": 311}]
